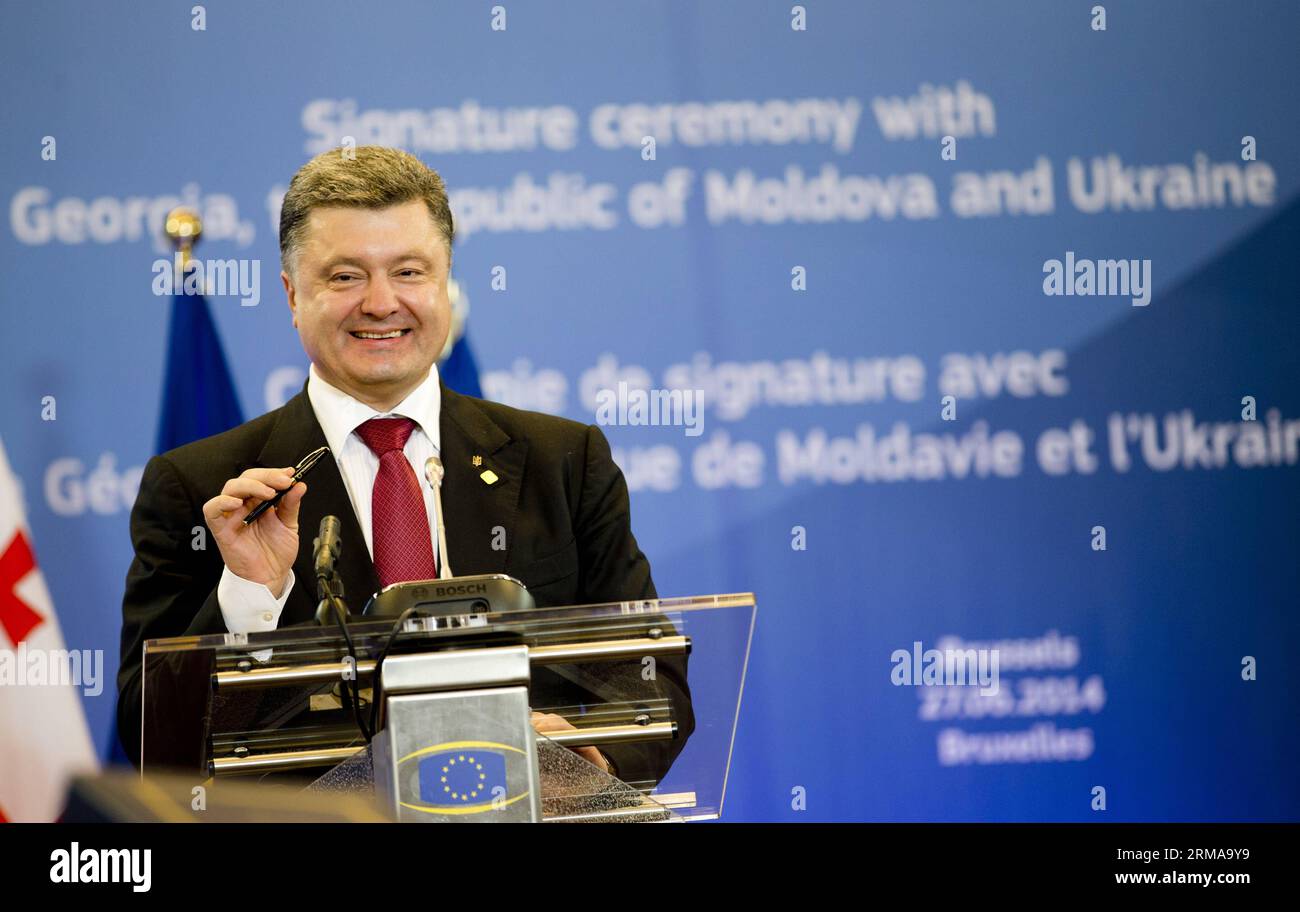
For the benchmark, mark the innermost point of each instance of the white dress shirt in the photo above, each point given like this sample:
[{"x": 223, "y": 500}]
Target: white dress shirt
[{"x": 250, "y": 607}]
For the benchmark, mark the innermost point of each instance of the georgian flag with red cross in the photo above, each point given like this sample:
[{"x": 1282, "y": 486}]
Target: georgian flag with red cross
[{"x": 43, "y": 734}]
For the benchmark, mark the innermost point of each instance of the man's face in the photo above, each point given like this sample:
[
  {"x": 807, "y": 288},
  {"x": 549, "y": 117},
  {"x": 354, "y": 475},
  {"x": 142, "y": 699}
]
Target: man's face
[{"x": 369, "y": 298}]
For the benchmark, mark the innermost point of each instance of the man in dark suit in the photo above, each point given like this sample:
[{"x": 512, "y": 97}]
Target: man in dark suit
[{"x": 366, "y": 249}]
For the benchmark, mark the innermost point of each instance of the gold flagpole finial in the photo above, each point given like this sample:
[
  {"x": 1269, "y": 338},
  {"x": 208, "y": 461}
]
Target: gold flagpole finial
[{"x": 183, "y": 227}]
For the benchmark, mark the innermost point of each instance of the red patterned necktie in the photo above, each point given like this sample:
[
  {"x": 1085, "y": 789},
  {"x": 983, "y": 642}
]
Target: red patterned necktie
[{"x": 399, "y": 524}]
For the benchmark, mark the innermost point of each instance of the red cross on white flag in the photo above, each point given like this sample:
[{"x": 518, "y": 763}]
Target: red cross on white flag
[{"x": 43, "y": 734}]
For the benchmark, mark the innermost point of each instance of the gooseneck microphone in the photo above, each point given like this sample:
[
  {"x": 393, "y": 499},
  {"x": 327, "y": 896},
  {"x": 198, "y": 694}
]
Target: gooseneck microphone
[
  {"x": 433, "y": 472},
  {"x": 325, "y": 554},
  {"x": 329, "y": 590},
  {"x": 325, "y": 550}
]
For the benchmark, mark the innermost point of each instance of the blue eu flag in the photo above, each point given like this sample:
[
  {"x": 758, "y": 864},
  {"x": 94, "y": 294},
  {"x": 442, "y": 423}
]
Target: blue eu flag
[
  {"x": 198, "y": 393},
  {"x": 460, "y": 371},
  {"x": 198, "y": 396},
  {"x": 462, "y": 778}
]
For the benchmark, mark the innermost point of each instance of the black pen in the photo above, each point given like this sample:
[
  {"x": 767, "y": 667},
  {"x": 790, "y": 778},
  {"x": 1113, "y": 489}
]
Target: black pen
[{"x": 299, "y": 473}]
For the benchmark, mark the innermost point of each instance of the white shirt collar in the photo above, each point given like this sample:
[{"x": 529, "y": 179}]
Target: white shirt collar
[{"x": 339, "y": 414}]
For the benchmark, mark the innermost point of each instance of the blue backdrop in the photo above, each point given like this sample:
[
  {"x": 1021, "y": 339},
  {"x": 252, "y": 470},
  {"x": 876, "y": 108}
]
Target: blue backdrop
[{"x": 843, "y": 219}]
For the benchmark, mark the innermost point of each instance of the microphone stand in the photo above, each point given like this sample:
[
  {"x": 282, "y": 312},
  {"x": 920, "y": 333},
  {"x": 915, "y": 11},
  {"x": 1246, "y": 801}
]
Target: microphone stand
[{"x": 329, "y": 591}]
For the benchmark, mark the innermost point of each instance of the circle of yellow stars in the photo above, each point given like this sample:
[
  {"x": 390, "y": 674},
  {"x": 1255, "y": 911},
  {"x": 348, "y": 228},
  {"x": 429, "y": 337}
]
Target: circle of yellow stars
[{"x": 463, "y": 796}]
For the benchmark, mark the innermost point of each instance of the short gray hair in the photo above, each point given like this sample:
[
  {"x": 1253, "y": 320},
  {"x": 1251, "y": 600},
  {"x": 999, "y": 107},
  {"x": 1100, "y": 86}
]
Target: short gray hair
[{"x": 367, "y": 177}]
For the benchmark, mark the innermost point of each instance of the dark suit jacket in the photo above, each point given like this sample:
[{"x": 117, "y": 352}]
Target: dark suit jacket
[{"x": 561, "y": 499}]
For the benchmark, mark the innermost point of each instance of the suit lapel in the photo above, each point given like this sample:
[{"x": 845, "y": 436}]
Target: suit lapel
[
  {"x": 479, "y": 514},
  {"x": 297, "y": 433}
]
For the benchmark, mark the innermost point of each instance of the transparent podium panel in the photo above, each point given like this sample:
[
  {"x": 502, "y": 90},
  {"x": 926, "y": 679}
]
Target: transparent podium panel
[{"x": 629, "y": 710}]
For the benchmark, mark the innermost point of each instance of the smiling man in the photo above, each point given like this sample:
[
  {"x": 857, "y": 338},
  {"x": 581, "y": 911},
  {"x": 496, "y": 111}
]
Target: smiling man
[{"x": 365, "y": 245}]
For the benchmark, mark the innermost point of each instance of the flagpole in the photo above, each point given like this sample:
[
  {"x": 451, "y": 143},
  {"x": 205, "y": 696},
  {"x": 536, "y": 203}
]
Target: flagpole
[{"x": 183, "y": 227}]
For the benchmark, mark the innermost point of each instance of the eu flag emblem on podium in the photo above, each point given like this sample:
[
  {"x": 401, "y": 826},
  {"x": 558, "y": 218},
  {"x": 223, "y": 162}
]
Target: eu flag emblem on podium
[{"x": 462, "y": 778}]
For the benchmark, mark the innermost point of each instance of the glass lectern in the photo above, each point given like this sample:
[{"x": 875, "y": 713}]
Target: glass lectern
[{"x": 654, "y": 687}]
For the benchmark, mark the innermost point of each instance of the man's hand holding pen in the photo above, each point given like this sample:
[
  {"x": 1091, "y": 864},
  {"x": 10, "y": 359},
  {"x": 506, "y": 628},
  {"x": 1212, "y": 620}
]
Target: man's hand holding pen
[{"x": 262, "y": 551}]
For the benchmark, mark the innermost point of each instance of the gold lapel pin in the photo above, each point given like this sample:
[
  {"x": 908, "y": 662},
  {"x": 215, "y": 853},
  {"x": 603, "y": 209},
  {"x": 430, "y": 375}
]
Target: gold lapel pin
[
  {"x": 489, "y": 477},
  {"x": 477, "y": 460}
]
